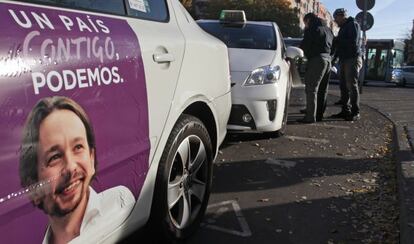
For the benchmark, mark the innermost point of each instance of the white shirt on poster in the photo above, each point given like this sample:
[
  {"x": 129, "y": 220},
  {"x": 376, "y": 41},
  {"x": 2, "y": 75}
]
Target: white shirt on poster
[{"x": 104, "y": 213}]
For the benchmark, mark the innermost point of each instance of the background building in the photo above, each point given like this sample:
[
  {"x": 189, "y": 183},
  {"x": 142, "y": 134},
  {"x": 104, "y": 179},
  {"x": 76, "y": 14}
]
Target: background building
[{"x": 303, "y": 7}]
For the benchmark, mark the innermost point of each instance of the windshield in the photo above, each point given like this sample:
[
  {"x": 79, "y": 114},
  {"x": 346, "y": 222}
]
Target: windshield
[
  {"x": 398, "y": 58},
  {"x": 251, "y": 36}
]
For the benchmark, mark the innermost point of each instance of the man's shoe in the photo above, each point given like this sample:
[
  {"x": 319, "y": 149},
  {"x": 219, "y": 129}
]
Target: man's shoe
[
  {"x": 341, "y": 115},
  {"x": 353, "y": 117},
  {"x": 305, "y": 121},
  {"x": 303, "y": 111}
]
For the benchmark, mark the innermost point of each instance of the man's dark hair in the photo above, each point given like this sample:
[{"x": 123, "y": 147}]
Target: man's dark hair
[
  {"x": 314, "y": 20},
  {"x": 310, "y": 16},
  {"x": 30, "y": 140},
  {"x": 339, "y": 12}
]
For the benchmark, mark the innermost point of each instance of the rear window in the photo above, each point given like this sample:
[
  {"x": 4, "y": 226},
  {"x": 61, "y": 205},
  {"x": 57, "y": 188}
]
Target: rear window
[
  {"x": 251, "y": 36},
  {"x": 148, "y": 9},
  {"x": 105, "y": 6},
  {"x": 155, "y": 10}
]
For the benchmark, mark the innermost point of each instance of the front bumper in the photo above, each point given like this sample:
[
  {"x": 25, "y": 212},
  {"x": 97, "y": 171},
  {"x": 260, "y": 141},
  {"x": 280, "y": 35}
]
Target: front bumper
[{"x": 263, "y": 103}]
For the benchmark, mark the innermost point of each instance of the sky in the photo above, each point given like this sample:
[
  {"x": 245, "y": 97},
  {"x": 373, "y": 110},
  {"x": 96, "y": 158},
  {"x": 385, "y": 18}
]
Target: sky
[{"x": 392, "y": 18}]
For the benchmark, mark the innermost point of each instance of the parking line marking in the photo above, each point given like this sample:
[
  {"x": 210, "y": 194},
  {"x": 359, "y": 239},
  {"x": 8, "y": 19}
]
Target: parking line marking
[
  {"x": 299, "y": 138},
  {"x": 281, "y": 163},
  {"x": 219, "y": 212},
  {"x": 246, "y": 232},
  {"x": 332, "y": 126}
]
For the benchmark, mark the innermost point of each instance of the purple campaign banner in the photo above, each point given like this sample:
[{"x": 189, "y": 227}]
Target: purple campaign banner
[{"x": 94, "y": 60}]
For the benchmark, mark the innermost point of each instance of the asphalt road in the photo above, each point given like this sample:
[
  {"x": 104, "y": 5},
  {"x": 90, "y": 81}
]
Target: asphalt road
[{"x": 329, "y": 182}]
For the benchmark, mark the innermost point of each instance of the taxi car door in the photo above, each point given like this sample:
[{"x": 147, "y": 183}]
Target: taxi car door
[
  {"x": 162, "y": 47},
  {"x": 112, "y": 65}
]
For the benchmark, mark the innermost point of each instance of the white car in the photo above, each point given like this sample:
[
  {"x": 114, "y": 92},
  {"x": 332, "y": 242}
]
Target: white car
[
  {"x": 111, "y": 115},
  {"x": 260, "y": 71},
  {"x": 407, "y": 75}
]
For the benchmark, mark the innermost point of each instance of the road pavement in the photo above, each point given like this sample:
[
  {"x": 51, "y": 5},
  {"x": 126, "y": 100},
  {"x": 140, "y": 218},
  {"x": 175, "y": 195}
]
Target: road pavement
[
  {"x": 397, "y": 104},
  {"x": 329, "y": 182}
]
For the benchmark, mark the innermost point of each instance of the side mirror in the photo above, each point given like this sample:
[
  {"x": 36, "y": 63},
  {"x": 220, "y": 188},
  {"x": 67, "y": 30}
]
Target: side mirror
[{"x": 294, "y": 52}]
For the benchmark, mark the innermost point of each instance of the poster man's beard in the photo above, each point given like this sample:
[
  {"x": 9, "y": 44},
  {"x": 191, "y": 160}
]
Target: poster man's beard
[{"x": 64, "y": 182}]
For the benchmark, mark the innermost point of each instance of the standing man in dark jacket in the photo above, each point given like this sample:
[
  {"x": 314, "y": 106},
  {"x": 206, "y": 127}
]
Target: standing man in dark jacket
[
  {"x": 350, "y": 62},
  {"x": 316, "y": 44}
]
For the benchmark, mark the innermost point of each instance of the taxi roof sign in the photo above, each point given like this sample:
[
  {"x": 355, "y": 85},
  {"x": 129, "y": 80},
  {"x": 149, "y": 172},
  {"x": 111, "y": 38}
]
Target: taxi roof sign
[{"x": 233, "y": 16}]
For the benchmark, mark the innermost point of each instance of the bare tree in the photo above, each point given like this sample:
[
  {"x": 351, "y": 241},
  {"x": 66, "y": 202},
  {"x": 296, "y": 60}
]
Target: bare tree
[{"x": 278, "y": 11}]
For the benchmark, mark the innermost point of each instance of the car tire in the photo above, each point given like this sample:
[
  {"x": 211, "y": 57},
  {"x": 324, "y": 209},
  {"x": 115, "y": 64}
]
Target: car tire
[{"x": 183, "y": 184}]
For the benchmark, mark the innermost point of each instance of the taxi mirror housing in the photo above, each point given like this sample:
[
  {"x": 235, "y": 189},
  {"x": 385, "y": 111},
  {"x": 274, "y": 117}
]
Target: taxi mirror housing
[{"x": 294, "y": 52}]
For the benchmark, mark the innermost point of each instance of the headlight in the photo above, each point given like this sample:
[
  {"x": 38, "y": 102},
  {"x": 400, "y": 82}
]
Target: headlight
[
  {"x": 263, "y": 75},
  {"x": 396, "y": 74}
]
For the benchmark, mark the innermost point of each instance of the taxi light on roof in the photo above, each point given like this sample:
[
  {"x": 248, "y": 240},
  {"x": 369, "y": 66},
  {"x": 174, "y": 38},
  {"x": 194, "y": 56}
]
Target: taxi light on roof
[{"x": 233, "y": 16}]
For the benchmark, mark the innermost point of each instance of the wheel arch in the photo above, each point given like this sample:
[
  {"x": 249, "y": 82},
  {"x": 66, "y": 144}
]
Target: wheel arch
[
  {"x": 198, "y": 108},
  {"x": 203, "y": 112}
]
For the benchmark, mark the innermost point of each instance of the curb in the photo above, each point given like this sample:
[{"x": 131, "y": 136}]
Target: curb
[
  {"x": 405, "y": 177},
  {"x": 404, "y": 157}
]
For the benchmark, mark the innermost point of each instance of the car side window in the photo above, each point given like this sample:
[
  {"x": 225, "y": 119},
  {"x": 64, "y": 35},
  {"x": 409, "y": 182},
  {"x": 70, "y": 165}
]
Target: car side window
[
  {"x": 155, "y": 10},
  {"x": 148, "y": 9},
  {"x": 105, "y": 6}
]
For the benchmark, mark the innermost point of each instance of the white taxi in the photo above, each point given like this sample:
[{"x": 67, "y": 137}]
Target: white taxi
[
  {"x": 109, "y": 119},
  {"x": 260, "y": 71}
]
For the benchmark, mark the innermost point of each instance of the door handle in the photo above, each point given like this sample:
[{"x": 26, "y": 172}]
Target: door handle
[{"x": 163, "y": 58}]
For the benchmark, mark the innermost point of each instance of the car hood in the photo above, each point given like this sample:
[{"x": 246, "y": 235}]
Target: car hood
[{"x": 246, "y": 60}]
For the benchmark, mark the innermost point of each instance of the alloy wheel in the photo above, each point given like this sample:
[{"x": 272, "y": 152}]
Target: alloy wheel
[{"x": 187, "y": 181}]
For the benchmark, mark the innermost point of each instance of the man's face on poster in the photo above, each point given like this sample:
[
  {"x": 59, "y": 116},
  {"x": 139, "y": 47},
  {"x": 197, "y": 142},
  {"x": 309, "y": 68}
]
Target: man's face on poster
[{"x": 64, "y": 159}]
